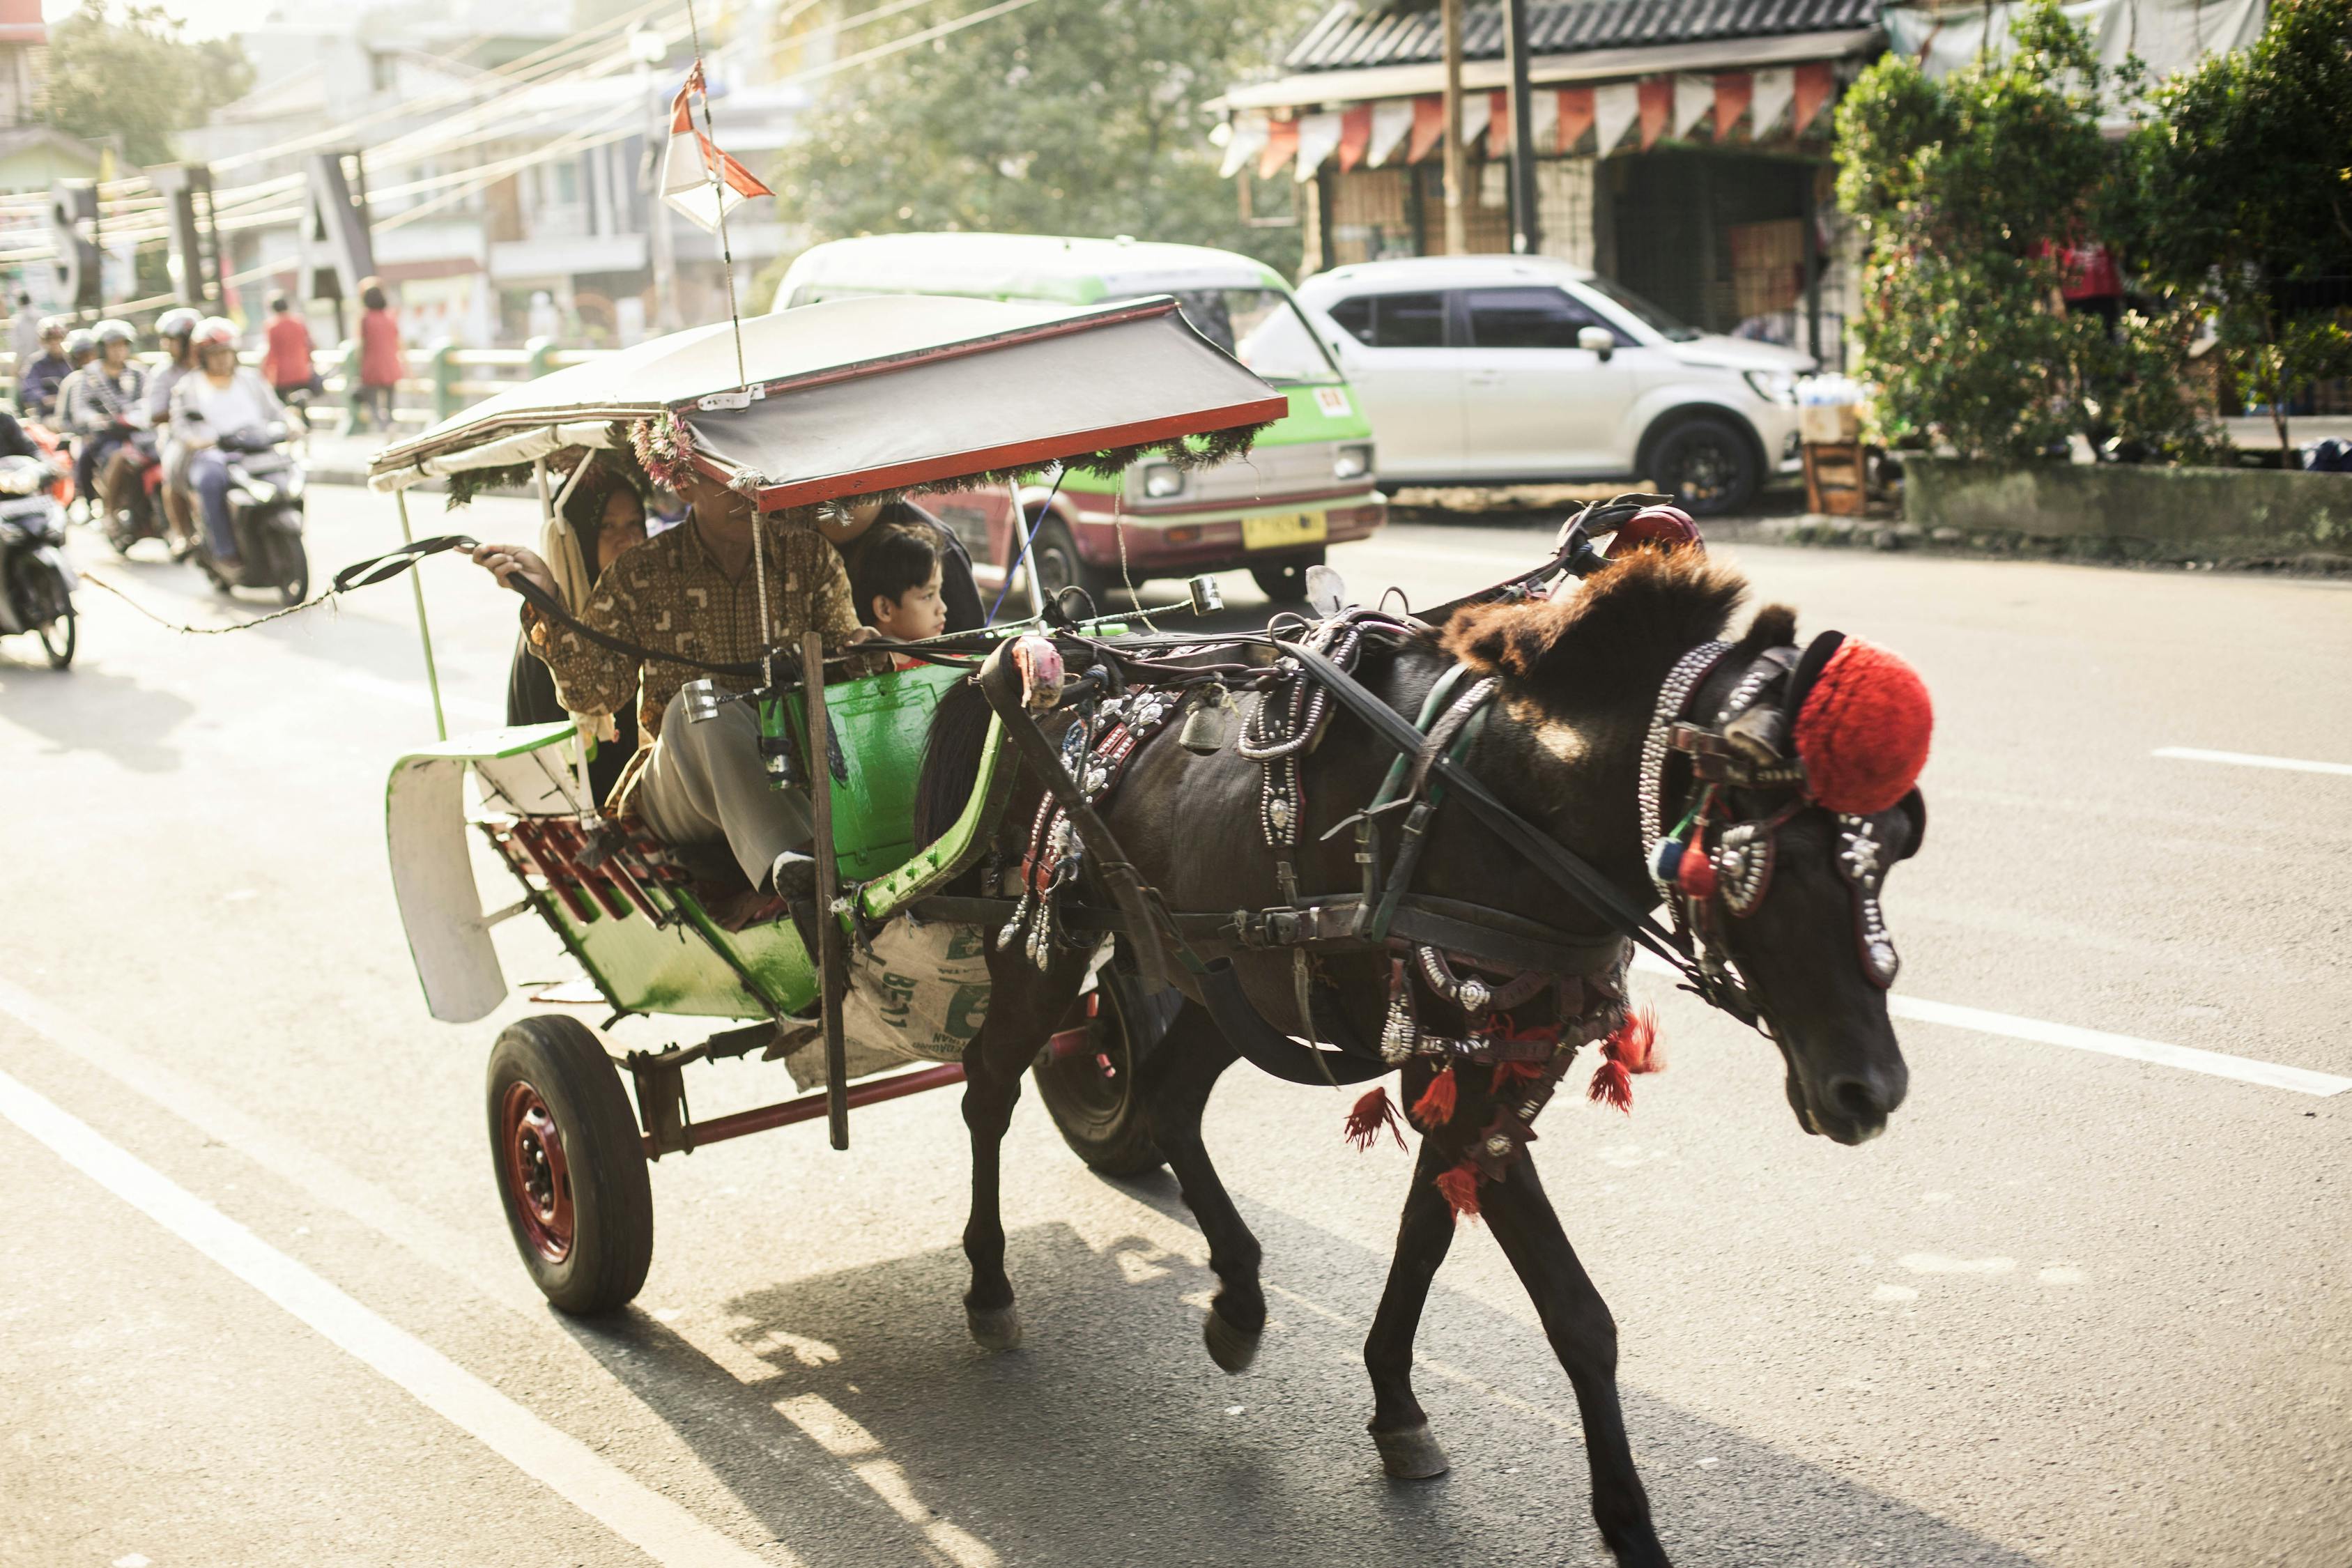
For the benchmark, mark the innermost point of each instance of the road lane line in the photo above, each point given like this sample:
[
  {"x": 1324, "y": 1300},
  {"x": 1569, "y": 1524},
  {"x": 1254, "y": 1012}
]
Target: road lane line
[
  {"x": 2188, "y": 1058},
  {"x": 2252, "y": 760},
  {"x": 565, "y": 1466}
]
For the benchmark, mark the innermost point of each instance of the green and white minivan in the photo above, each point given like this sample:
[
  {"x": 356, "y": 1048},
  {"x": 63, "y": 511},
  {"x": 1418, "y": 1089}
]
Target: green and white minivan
[{"x": 1306, "y": 484}]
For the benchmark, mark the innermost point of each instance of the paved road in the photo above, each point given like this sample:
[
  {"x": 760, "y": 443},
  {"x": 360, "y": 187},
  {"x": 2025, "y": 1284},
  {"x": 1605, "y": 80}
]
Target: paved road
[{"x": 258, "y": 1305}]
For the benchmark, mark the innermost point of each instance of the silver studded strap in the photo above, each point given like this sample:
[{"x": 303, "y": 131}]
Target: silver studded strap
[{"x": 1672, "y": 697}]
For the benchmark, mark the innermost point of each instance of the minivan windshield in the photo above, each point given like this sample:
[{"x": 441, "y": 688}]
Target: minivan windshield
[
  {"x": 1649, "y": 315},
  {"x": 1262, "y": 329}
]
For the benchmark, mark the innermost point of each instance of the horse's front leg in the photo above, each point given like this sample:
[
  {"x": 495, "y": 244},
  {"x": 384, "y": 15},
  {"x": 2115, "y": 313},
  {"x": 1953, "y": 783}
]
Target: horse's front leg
[
  {"x": 1400, "y": 1426},
  {"x": 1023, "y": 1008},
  {"x": 1175, "y": 1082},
  {"x": 1584, "y": 1336}
]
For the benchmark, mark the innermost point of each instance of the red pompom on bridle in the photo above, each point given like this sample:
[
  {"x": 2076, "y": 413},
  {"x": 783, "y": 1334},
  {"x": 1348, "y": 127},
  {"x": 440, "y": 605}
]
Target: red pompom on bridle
[{"x": 1862, "y": 729}]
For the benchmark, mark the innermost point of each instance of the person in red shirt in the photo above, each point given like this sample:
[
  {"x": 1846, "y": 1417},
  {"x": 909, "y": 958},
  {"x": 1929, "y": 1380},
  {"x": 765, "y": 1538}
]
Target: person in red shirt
[
  {"x": 287, "y": 362},
  {"x": 380, "y": 365}
]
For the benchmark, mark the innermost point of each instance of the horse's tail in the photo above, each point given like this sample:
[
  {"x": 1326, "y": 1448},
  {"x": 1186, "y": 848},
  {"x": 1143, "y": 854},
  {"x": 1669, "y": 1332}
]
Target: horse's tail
[{"x": 950, "y": 761}]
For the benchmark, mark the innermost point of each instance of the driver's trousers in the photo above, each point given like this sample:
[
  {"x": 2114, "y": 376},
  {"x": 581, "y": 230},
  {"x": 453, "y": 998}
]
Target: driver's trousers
[
  {"x": 208, "y": 477},
  {"x": 706, "y": 784}
]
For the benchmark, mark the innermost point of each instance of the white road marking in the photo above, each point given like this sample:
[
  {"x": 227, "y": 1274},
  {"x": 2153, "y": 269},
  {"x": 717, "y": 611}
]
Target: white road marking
[
  {"x": 2252, "y": 760},
  {"x": 2188, "y": 1058},
  {"x": 565, "y": 1466}
]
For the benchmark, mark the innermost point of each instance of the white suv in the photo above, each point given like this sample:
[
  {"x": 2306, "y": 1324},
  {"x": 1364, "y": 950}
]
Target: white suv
[{"x": 1519, "y": 368}]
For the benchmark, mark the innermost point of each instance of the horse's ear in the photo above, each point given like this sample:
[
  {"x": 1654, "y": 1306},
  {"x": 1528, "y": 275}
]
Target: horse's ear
[
  {"x": 1505, "y": 639},
  {"x": 1775, "y": 625}
]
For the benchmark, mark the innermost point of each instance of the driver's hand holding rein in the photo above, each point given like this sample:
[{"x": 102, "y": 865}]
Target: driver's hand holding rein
[{"x": 691, "y": 592}]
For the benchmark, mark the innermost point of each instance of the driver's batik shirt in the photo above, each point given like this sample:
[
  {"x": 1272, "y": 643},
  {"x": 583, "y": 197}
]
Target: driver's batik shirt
[{"x": 669, "y": 594}]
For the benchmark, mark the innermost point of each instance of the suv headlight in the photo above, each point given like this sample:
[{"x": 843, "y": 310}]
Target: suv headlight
[
  {"x": 1772, "y": 385},
  {"x": 1162, "y": 481},
  {"x": 1352, "y": 461}
]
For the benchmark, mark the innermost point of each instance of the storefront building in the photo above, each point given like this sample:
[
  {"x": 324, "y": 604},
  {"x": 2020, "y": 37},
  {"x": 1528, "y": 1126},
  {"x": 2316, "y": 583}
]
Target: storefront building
[{"x": 1680, "y": 150}]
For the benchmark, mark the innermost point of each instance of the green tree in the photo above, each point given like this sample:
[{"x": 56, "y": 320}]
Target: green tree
[
  {"x": 129, "y": 74},
  {"x": 1065, "y": 117},
  {"x": 1963, "y": 187},
  {"x": 2242, "y": 197}
]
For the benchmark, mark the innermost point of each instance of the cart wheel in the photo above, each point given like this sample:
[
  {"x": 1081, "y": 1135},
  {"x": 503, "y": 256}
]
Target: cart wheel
[
  {"x": 1091, "y": 1093},
  {"x": 571, "y": 1168}
]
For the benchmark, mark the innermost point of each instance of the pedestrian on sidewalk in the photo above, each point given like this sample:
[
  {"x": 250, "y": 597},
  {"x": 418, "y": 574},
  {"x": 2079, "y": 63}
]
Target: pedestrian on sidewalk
[
  {"x": 380, "y": 365},
  {"x": 286, "y": 362}
]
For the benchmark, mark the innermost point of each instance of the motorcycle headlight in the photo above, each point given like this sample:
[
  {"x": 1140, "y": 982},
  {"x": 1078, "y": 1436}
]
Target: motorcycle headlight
[
  {"x": 1162, "y": 481},
  {"x": 295, "y": 483},
  {"x": 1352, "y": 461},
  {"x": 262, "y": 491},
  {"x": 1772, "y": 385}
]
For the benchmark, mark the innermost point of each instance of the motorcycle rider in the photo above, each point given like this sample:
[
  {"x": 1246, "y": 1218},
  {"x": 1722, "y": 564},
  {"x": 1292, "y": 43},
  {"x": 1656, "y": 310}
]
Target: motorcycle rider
[
  {"x": 218, "y": 397},
  {"x": 97, "y": 405},
  {"x": 172, "y": 329},
  {"x": 36, "y": 383}
]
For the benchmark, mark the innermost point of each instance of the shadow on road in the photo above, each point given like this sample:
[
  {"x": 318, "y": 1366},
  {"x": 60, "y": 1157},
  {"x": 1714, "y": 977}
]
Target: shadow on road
[
  {"x": 1111, "y": 1438},
  {"x": 87, "y": 708}
]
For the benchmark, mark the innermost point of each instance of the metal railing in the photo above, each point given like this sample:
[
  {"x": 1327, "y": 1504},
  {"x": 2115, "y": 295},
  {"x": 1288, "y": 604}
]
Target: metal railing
[{"x": 440, "y": 380}]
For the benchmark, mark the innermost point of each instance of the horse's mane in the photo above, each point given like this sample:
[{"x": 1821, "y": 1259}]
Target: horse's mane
[{"x": 1634, "y": 618}]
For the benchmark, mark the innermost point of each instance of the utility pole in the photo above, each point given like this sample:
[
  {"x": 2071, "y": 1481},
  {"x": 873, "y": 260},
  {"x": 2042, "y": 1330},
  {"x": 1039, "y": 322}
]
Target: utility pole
[
  {"x": 1524, "y": 236},
  {"x": 652, "y": 49},
  {"x": 1457, "y": 225}
]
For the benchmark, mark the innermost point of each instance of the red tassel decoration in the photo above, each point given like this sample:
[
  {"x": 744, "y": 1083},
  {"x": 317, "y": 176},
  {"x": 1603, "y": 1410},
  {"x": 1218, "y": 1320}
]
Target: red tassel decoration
[
  {"x": 1460, "y": 1188},
  {"x": 1372, "y": 1114},
  {"x": 1633, "y": 1048},
  {"x": 1695, "y": 875},
  {"x": 1435, "y": 1107},
  {"x": 1508, "y": 1073}
]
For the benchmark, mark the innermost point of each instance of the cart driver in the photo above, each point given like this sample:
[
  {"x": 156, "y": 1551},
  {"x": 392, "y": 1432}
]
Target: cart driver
[{"x": 691, "y": 591}]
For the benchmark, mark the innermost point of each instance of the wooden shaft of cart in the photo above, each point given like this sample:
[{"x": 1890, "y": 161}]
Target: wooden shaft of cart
[{"x": 829, "y": 956}]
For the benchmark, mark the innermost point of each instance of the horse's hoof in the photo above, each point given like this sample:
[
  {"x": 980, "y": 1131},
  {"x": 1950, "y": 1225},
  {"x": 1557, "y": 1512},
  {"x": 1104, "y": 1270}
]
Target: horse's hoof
[
  {"x": 1410, "y": 1455},
  {"x": 995, "y": 1328},
  {"x": 1231, "y": 1348}
]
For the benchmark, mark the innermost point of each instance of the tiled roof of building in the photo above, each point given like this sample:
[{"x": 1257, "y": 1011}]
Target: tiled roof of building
[{"x": 1350, "y": 34}]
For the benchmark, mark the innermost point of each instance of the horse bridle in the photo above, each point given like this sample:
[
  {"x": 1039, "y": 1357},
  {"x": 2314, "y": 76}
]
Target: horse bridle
[{"x": 1747, "y": 748}]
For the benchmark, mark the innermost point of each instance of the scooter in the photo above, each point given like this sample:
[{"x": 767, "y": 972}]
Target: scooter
[
  {"x": 37, "y": 580},
  {"x": 141, "y": 517},
  {"x": 265, "y": 510}
]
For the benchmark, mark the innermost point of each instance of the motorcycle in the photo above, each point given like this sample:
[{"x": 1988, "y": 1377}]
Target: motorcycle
[
  {"x": 37, "y": 580},
  {"x": 264, "y": 509},
  {"x": 142, "y": 516}
]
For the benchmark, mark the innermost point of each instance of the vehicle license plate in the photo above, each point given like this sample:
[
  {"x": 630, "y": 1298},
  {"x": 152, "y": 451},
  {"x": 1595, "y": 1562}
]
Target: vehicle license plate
[{"x": 1276, "y": 530}]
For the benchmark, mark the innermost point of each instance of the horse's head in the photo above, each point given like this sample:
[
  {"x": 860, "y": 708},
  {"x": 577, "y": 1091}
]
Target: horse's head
[{"x": 1775, "y": 791}]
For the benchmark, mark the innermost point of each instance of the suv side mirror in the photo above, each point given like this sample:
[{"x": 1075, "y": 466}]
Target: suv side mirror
[{"x": 1598, "y": 340}]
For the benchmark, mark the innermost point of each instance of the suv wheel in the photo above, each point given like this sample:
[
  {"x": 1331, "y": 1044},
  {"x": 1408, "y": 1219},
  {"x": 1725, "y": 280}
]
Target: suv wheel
[{"x": 1707, "y": 466}]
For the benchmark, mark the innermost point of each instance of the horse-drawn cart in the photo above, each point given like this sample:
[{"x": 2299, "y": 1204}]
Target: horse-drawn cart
[{"x": 846, "y": 400}]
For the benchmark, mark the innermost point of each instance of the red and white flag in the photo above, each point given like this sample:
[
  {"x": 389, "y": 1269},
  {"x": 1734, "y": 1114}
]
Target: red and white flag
[{"x": 697, "y": 179}]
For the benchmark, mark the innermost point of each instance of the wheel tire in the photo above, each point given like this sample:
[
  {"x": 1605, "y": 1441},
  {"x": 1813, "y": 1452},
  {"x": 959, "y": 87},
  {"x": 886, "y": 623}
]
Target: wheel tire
[
  {"x": 42, "y": 590},
  {"x": 1101, "y": 1117},
  {"x": 122, "y": 530},
  {"x": 289, "y": 568},
  {"x": 1054, "y": 557},
  {"x": 1285, "y": 581},
  {"x": 569, "y": 1166},
  {"x": 1706, "y": 465}
]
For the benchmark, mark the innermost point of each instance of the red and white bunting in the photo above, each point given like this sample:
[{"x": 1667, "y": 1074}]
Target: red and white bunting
[
  {"x": 697, "y": 179},
  {"x": 1772, "y": 104}
]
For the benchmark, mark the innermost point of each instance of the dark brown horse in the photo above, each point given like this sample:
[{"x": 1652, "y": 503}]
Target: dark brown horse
[{"x": 1578, "y": 680}]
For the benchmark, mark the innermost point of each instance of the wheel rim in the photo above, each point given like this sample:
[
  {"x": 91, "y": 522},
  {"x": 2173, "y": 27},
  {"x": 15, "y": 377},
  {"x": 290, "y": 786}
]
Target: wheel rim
[
  {"x": 1055, "y": 570},
  {"x": 539, "y": 1181},
  {"x": 1708, "y": 473},
  {"x": 1096, "y": 1080}
]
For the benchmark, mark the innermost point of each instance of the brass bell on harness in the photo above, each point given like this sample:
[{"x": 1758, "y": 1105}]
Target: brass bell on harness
[{"x": 1210, "y": 722}]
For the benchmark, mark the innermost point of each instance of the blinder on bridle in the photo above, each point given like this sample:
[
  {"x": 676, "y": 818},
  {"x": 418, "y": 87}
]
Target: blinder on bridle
[{"x": 1709, "y": 864}]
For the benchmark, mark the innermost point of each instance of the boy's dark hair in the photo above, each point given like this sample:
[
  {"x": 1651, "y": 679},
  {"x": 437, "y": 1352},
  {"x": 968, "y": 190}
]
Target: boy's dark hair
[
  {"x": 894, "y": 560},
  {"x": 278, "y": 304},
  {"x": 372, "y": 299}
]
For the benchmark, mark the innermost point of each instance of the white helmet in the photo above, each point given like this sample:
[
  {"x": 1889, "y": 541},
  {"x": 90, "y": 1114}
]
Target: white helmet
[
  {"x": 214, "y": 331},
  {"x": 176, "y": 323},
  {"x": 113, "y": 331}
]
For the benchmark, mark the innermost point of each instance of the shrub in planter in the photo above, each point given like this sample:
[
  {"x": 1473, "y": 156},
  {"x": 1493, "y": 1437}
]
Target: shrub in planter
[{"x": 1966, "y": 188}]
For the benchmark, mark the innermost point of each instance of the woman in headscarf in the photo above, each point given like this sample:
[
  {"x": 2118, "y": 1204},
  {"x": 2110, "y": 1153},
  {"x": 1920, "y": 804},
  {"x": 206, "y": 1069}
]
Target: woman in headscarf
[{"x": 603, "y": 517}]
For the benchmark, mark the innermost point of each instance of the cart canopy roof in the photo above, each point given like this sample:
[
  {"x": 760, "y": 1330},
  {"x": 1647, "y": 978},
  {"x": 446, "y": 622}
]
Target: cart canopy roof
[{"x": 855, "y": 397}]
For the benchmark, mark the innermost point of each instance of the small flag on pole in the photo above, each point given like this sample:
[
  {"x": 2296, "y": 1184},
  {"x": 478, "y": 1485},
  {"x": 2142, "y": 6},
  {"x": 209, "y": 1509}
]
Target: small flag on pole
[{"x": 697, "y": 179}]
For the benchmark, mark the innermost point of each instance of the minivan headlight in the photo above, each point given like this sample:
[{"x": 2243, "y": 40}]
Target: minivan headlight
[
  {"x": 1352, "y": 461},
  {"x": 1162, "y": 481},
  {"x": 1772, "y": 385}
]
